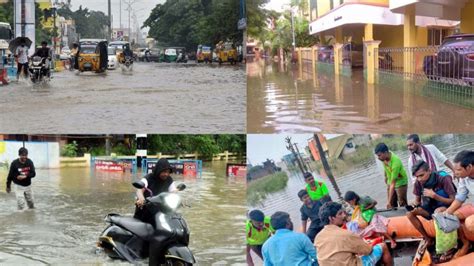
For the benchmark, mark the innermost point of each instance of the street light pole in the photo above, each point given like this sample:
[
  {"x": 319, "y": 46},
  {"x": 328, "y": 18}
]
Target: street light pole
[{"x": 293, "y": 56}]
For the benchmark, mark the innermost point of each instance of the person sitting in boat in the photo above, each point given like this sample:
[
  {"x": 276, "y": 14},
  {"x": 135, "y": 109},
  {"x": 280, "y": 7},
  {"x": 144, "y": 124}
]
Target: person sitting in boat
[
  {"x": 337, "y": 246},
  {"x": 316, "y": 190},
  {"x": 464, "y": 170},
  {"x": 258, "y": 230},
  {"x": 310, "y": 210},
  {"x": 432, "y": 190},
  {"x": 365, "y": 221}
]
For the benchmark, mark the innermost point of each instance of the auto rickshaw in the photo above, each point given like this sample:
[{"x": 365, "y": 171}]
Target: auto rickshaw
[
  {"x": 170, "y": 54},
  {"x": 226, "y": 52},
  {"x": 204, "y": 54},
  {"x": 93, "y": 56}
]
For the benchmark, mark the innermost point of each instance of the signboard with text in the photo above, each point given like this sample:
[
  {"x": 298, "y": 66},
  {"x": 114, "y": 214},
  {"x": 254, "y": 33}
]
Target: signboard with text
[{"x": 236, "y": 170}]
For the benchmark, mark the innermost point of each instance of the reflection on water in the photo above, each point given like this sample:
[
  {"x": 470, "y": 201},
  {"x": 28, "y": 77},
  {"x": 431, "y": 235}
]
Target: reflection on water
[
  {"x": 290, "y": 99},
  {"x": 71, "y": 204},
  {"x": 367, "y": 179}
]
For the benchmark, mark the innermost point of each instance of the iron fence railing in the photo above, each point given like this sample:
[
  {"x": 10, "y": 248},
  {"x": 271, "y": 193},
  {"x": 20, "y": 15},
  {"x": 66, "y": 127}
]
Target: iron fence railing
[{"x": 448, "y": 64}]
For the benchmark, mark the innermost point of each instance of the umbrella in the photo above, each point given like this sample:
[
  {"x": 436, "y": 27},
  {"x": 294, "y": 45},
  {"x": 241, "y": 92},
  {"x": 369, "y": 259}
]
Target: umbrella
[{"x": 17, "y": 42}]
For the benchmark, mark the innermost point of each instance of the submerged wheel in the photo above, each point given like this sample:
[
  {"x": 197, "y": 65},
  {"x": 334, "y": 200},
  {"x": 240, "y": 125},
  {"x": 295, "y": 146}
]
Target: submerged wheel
[{"x": 176, "y": 262}]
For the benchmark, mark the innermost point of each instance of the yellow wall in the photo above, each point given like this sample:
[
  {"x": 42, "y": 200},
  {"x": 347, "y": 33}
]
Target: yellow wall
[
  {"x": 323, "y": 7},
  {"x": 421, "y": 36},
  {"x": 391, "y": 36},
  {"x": 467, "y": 17}
]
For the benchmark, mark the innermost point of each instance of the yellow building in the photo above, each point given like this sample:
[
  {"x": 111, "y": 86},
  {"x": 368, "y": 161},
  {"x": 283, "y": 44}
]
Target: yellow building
[{"x": 396, "y": 23}]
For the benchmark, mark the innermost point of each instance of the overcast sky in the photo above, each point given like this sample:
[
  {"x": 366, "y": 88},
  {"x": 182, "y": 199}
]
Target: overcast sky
[
  {"x": 142, "y": 8},
  {"x": 276, "y": 4}
]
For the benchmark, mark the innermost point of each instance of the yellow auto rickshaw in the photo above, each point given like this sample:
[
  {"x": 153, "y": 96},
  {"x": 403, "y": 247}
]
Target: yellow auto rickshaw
[
  {"x": 226, "y": 52},
  {"x": 204, "y": 54},
  {"x": 93, "y": 56}
]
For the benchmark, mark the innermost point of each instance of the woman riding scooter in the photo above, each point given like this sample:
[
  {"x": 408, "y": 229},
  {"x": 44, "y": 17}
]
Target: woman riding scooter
[{"x": 156, "y": 182}]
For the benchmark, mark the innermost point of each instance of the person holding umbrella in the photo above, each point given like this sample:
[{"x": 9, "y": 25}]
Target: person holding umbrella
[{"x": 21, "y": 55}]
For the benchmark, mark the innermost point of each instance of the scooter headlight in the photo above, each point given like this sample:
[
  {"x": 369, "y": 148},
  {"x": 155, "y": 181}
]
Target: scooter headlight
[{"x": 173, "y": 200}]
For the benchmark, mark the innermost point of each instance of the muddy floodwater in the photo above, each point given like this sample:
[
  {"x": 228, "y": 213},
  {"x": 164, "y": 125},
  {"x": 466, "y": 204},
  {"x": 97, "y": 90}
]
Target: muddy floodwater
[
  {"x": 287, "y": 98},
  {"x": 365, "y": 179},
  {"x": 165, "y": 98},
  {"x": 71, "y": 205}
]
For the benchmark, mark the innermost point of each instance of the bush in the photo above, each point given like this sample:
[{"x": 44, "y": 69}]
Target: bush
[
  {"x": 257, "y": 190},
  {"x": 69, "y": 150}
]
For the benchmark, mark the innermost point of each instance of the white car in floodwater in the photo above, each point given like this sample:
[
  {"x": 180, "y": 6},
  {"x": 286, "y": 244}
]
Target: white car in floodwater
[{"x": 112, "y": 58}]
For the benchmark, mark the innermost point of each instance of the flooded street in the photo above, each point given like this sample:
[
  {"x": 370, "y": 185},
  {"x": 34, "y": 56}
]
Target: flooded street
[
  {"x": 71, "y": 204},
  {"x": 366, "y": 179},
  {"x": 287, "y": 99},
  {"x": 165, "y": 98}
]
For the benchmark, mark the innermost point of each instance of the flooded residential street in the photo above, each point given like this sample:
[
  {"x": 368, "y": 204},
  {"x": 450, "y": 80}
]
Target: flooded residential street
[
  {"x": 165, "y": 98},
  {"x": 285, "y": 98},
  {"x": 72, "y": 203}
]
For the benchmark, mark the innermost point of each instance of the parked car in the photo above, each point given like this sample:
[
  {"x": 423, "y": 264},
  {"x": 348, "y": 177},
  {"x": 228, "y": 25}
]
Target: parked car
[
  {"x": 353, "y": 54},
  {"x": 112, "y": 57},
  {"x": 454, "y": 59},
  {"x": 326, "y": 54}
]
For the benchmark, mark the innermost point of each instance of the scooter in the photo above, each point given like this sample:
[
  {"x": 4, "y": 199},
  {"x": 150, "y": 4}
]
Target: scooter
[
  {"x": 182, "y": 58},
  {"x": 165, "y": 243},
  {"x": 38, "y": 69},
  {"x": 127, "y": 63}
]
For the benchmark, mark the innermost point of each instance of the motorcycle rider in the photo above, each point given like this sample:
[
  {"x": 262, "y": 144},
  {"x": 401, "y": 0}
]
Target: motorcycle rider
[
  {"x": 158, "y": 181},
  {"x": 147, "y": 54},
  {"x": 45, "y": 53}
]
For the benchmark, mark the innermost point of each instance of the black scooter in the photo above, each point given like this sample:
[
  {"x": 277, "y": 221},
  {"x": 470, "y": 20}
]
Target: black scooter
[{"x": 165, "y": 243}]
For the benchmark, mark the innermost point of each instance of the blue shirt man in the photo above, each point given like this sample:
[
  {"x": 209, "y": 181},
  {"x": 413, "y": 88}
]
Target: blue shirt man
[{"x": 287, "y": 247}]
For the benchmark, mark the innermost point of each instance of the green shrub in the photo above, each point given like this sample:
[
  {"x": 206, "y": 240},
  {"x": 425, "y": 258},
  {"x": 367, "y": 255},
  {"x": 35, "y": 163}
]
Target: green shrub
[
  {"x": 69, "y": 150},
  {"x": 257, "y": 190}
]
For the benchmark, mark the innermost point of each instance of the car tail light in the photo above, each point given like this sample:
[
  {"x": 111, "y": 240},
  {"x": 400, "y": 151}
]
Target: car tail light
[{"x": 470, "y": 56}]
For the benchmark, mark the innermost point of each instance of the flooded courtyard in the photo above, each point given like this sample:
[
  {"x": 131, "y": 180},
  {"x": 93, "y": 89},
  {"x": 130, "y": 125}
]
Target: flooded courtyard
[
  {"x": 287, "y": 98},
  {"x": 72, "y": 203},
  {"x": 165, "y": 98}
]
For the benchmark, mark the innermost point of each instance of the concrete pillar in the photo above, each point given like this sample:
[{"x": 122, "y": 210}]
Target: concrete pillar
[
  {"x": 370, "y": 56},
  {"x": 226, "y": 153},
  {"x": 372, "y": 102},
  {"x": 369, "y": 32},
  {"x": 409, "y": 38},
  {"x": 158, "y": 155},
  {"x": 339, "y": 90},
  {"x": 339, "y": 36},
  {"x": 337, "y": 57},
  {"x": 88, "y": 158}
]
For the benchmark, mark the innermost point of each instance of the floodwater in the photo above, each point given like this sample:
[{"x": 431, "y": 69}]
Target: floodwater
[
  {"x": 165, "y": 98},
  {"x": 362, "y": 179},
  {"x": 366, "y": 179},
  {"x": 71, "y": 204},
  {"x": 289, "y": 99}
]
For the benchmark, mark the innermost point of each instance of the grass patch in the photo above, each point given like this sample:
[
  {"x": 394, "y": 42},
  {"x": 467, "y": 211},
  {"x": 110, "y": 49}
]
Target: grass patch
[{"x": 258, "y": 190}]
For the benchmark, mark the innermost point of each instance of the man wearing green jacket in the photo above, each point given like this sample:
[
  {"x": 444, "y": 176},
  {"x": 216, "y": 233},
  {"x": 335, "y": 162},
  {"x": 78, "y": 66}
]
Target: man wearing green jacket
[
  {"x": 395, "y": 176},
  {"x": 258, "y": 230}
]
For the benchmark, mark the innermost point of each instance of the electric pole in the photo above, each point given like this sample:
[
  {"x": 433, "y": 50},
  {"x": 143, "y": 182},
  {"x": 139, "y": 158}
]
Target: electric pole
[
  {"x": 292, "y": 149},
  {"x": 110, "y": 21},
  {"x": 129, "y": 4},
  {"x": 327, "y": 169}
]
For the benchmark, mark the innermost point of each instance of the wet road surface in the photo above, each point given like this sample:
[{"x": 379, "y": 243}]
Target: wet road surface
[
  {"x": 165, "y": 98},
  {"x": 288, "y": 99},
  {"x": 71, "y": 204}
]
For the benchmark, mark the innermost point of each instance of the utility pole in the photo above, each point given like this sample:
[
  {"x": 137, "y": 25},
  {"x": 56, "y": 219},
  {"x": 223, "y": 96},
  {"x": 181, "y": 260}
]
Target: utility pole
[
  {"x": 292, "y": 149},
  {"x": 120, "y": 18},
  {"x": 110, "y": 21},
  {"x": 129, "y": 4},
  {"x": 327, "y": 169},
  {"x": 300, "y": 158}
]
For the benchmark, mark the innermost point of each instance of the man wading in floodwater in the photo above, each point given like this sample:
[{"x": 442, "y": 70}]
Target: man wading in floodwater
[{"x": 21, "y": 172}]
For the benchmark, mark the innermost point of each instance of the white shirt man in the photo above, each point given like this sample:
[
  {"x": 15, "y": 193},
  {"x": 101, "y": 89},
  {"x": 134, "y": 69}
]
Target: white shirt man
[{"x": 22, "y": 54}]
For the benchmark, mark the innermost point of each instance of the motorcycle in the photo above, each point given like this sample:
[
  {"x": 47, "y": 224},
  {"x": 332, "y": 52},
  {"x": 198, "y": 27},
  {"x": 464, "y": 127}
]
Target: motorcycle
[
  {"x": 127, "y": 63},
  {"x": 165, "y": 243},
  {"x": 182, "y": 58},
  {"x": 38, "y": 69}
]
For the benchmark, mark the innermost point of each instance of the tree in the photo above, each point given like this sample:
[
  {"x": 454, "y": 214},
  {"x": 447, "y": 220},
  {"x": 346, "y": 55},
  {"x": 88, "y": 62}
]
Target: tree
[
  {"x": 6, "y": 12},
  {"x": 89, "y": 23}
]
